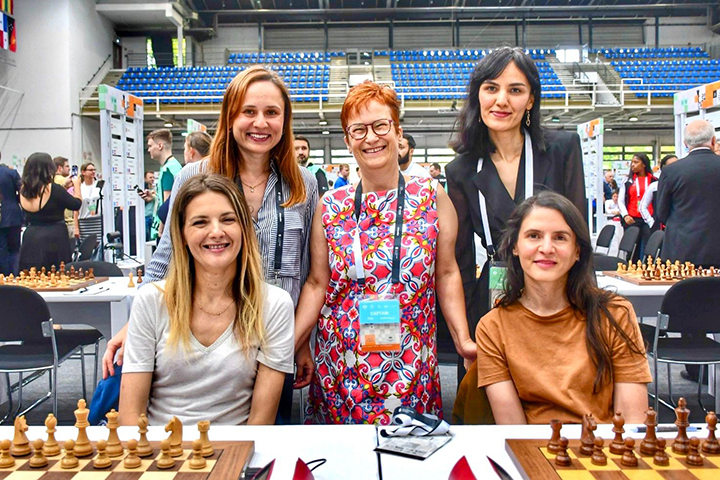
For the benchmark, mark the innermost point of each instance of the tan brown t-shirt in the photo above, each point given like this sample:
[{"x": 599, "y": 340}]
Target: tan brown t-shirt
[{"x": 548, "y": 361}]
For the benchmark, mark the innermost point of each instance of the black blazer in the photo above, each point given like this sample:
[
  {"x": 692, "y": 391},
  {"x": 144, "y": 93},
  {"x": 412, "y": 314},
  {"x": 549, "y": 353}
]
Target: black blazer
[
  {"x": 12, "y": 215},
  {"x": 687, "y": 203},
  {"x": 558, "y": 168}
]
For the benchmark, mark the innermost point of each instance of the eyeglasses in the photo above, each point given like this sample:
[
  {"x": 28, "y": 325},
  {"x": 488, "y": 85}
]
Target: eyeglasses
[{"x": 358, "y": 131}]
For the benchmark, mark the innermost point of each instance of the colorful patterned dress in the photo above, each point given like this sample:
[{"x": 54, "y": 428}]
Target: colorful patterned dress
[{"x": 351, "y": 386}]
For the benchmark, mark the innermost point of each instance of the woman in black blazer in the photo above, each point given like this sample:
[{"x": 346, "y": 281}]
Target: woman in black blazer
[{"x": 499, "y": 121}]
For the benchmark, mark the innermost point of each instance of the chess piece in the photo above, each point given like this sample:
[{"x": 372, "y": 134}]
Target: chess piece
[
  {"x": 139, "y": 275},
  {"x": 130, "y": 283},
  {"x": 598, "y": 456},
  {"x": 694, "y": 458},
  {"x": 69, "y": 460},
  {"x": 207, "y": 448},
  {"x": 114, "y": 446},
  {"x": 101, "y": 460},
  {"x": 563, "y": 459},
  {"x": 649, "y": 443},
  {"x": 92, "y": 273},
  {"x": 197, "y": 462},
  {"x": 38, "y": 459},
  {"x": 51, "y": 447},
  {"x": 6, "y": 461},
  {"x": 711, "y": 444},
  {"x": 165, "y": 461},
  {"x": 617, "y": 446},
  {"x": 681, "y": 445},
  {"x": 587, "y": 437},
  {"x": 175, "y": 437},
  {"x": 661, "y": 458},
  {"x": 629, "y": 459},
  {"x": 82, "y": 444},
  {"x": 21, "y": 444},
  {"x": 132, "y": 460},
  {"x": 2, "y": 279},
  {"x": 143, "y": 447}
]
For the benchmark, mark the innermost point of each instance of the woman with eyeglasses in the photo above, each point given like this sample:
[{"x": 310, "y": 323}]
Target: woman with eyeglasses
[{"x": 382, "y": 251}]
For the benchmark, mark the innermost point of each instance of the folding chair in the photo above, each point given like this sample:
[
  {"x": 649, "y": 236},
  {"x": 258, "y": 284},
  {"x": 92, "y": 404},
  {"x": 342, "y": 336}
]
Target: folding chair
[
  {"x": 629, "y": 242},
  {"x": 605, "y": 237},
  {"x": 655, "y": 243}
]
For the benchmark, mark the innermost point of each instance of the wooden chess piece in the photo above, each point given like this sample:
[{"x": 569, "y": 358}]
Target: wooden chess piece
[
  {"x": 661, "y": 458},
  {"x": 144, "y": 449},
  {"x": 101, "y": 460},
  {"x": 563, "y": 459},
  {"x": 82, "y": 444},
  {"x": 165, "y": 461},
  {"x": 38, "y": 459},
  {"x": 587, "y": 437},
  {"x": 51, "y": 447},
  {"x": 649, "y": 443},
  {"x": 694, "y": 458},
  {"x": 207, "y": 448},
  {"x": 617, "y": 446},
  {"x": 681, "y": 445},
  {"x": 598, "y": 456},
  {"x": 92, "y": 273},
  {"x": 6, "y": 461},
  {"x": 629, "y": 459},
  {"x": 2, "y": 279},
  {"x": 139, "y": 275},
  {"x": 711, "y": 444},
  {"x": 132, "y": 460},
  {"x": 175, "y": 427},
  {"x": 69, "y": 460},
  {"x": 114, "y": 446},
  {"x": 130, "y": 283},
  {"x": 21, "y": 444},
  {"x": 197, "y": 462}
]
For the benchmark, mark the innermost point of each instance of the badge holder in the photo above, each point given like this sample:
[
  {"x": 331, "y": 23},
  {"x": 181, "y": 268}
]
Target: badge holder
[
  {"x": 496, "y": 285},
  {"x": 380, "y": 329}
]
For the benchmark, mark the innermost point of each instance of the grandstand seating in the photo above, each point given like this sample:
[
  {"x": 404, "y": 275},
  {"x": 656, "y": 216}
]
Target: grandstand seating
[
  {"x": 648, "y": 53},
  {"x": 666, "y": 76}
]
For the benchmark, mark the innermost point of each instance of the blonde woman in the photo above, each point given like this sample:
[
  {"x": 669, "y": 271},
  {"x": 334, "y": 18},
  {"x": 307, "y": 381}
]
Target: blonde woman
[{"x": 213, "y": 341}]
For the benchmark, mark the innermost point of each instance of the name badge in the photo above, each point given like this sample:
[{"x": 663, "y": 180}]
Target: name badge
[
  {"x": 496, "y": 283},
  {"x": 380, "y": 324}
]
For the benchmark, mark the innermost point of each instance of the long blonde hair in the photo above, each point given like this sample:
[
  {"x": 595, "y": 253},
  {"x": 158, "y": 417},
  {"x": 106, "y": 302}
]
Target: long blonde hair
[
  {"x": 247, "y": 287},
  {"x": 225, "y": 156}
]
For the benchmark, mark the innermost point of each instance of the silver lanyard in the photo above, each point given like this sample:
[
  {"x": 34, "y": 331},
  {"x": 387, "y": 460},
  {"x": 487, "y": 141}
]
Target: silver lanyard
[{"x": 529, "y": 184}]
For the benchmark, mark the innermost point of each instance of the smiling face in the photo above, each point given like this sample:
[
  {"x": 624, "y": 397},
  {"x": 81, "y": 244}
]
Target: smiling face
[
  {"x": 505, "y": 99},
  {"x": 546, "y": 247},
  {"x": 89, "y": 174},
  {"x": 259, "y": 126},
  {"x": 212, "y": 232},
  {"x": 374, "y": 151}
]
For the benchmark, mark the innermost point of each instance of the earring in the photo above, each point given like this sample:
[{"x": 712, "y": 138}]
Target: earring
[{"x": 527, "y": 120}]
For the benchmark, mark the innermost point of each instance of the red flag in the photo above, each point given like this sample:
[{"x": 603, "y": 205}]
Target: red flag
[{"x": 11, "y": 31}]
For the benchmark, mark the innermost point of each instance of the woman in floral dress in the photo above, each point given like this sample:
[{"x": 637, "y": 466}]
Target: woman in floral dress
[{"x": 361, "y": 378}]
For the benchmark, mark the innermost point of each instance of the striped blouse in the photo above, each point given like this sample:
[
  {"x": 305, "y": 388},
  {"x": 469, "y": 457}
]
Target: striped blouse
[{"x": 296, "y": 245}]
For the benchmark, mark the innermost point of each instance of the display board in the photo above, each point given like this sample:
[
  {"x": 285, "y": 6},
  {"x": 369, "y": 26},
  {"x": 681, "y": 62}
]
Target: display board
[
  {"x": 121, "y": 133},
  {"x": 195, "y": 126},
  {"x": 591, "y": 140},
  {"x": 699, "y": 102}
]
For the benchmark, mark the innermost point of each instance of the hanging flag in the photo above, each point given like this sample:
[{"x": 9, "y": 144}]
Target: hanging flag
[
  {"x": 4, "y": 37},
  {"x": 11, "y": 33},
  {"x": 7, "y": 6}
]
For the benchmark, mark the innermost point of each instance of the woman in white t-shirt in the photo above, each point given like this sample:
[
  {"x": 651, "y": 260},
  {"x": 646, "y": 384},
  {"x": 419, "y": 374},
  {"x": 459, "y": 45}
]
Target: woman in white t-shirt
[
  {"x": 89, "y": 191},
  {"x": 213, "y": 341}
]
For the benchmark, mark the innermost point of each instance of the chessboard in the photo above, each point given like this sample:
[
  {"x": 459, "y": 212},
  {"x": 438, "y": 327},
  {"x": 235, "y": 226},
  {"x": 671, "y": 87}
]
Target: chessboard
[
  {"x": 535, "y": 462},
  {"x": 638, "y": 280},
  {"x": 658, "y": 273},
  {"x": 72, "y": 285},
  {"x": 227, "y": 462}
]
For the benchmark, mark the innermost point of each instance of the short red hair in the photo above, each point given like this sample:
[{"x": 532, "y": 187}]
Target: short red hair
[{"x": 361, "y": 95}]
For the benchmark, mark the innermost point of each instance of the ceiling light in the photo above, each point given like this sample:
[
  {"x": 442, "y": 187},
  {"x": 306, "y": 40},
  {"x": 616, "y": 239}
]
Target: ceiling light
[
  {"x": 555, "y": 119},
  {"x": 633, "y": 119},
  {"x": 326, "y": 132},
  {"x": 322, "y": 122},
  {"x": 168, "y": 125},
  {"x": 608, "y": 129}
]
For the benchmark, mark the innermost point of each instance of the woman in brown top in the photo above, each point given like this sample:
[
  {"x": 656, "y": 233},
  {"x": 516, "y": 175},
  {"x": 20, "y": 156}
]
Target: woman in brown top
[{"x": 557, "y": 346}]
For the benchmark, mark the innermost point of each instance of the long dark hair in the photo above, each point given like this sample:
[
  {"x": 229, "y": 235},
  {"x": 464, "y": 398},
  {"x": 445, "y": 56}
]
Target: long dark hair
[
  {"x": 38, "y": 172},
  {"x": 646, "y": 162},
  {"x": 581, "y": 288},
  {"x": 473, "y": 135},
  {"x": 665, "y": 159}
]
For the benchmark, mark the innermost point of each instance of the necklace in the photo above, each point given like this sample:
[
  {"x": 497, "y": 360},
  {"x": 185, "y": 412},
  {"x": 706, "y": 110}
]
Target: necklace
[
  {"x": 253, "y": 187},
  {"x": 215, "y": 314}
]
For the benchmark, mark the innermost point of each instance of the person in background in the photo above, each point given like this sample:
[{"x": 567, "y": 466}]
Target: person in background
[
  {"x": 649, "y": 197},
  {"x": 405, "y": 154},
  {"x": 159, "y": 143},
  {"x": 90, "y": 195},
  {"x": 632, "y": 190},
  {"x": 213, "y": 341},
  {"x": 149, "y": 196},
  {"x": 197, "y": 146},
  {"x": 612, "y": 209},
  {"x": 343, "y": 176},
  {"x": 62, "y": 178},
  {"x": 302, "y": 155},
  {"x": 11, "y": 219},
  {"x": 45, "y": 242},
  {"x": 557, "y": 346},
  {"x": 608, "y": 184},
  {"x": 436, "y": 173}
]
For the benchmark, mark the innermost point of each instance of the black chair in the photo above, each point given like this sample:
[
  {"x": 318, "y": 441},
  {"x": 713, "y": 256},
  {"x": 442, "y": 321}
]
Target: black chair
[
  {"x": 691, "y": 308},
  {"x": 654, "y": 244},
  {"x": 629, "y": 243},
  {"x": 31, "y": 344},
  {"x": 603, "y": 263},
  {"x": 605, "y": 237},
  {"x": 100, "y": 269},
  {"x": 87, "y": 246}
]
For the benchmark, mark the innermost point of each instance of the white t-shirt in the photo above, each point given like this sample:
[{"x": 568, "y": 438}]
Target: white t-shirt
[
  {"x": 90, "y": 195},
  {"x": 205, "y": 383},
  {"x": 415, "y": 170}
]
